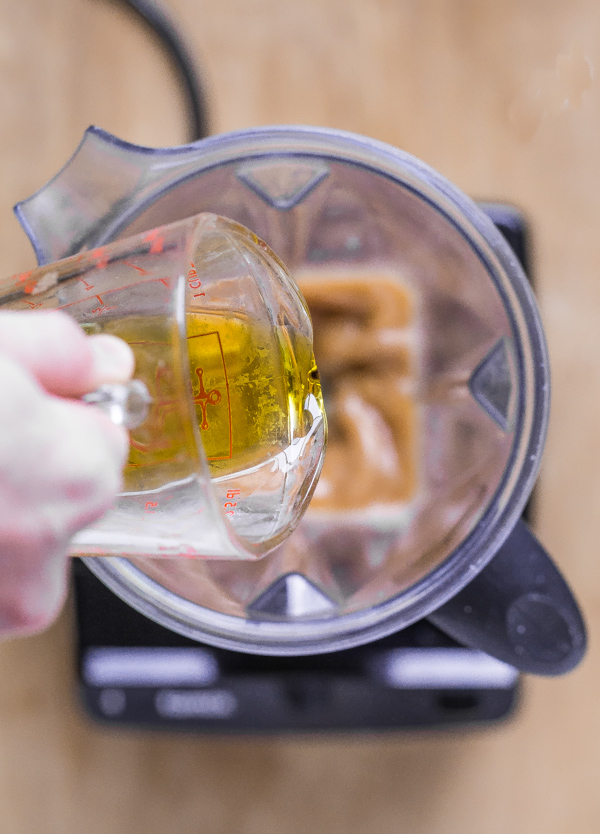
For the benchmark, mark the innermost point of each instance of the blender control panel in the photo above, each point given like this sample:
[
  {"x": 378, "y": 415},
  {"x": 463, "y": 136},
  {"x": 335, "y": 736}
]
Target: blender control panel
[{"x": 133, "y": 672}]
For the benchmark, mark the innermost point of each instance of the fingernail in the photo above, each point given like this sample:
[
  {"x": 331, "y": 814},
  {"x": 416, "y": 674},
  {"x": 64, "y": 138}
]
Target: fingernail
[{"x": 113, "y": 359}]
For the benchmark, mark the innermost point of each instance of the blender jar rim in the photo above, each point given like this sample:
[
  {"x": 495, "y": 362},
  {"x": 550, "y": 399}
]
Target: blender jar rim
[{"x": 509, "y": 499}]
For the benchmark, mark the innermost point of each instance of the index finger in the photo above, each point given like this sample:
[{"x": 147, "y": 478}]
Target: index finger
[{"x": 56, "y": 351}]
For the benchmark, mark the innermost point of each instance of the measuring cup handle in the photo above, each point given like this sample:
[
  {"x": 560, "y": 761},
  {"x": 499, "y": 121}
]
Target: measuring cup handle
[{"x": 519, "y": 609}]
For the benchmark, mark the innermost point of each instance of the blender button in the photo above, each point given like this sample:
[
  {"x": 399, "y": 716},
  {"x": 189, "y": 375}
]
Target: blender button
[{"x": 112, "y": 702}]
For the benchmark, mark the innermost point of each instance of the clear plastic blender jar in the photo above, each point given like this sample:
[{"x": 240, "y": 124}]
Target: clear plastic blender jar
[{"x": 435, "y": 381}]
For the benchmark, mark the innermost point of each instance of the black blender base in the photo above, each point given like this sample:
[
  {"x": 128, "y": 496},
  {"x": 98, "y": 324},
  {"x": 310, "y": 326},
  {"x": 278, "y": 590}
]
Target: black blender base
[{"x": 134, "y": 673}]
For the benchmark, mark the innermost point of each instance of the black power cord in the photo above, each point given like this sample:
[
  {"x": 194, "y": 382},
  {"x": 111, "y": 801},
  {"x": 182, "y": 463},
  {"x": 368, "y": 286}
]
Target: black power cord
[{"x": 168, "y": 34}]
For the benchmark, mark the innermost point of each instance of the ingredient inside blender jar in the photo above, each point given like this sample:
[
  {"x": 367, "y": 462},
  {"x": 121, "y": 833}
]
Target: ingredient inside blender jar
[{"x": 366, "y": 349}]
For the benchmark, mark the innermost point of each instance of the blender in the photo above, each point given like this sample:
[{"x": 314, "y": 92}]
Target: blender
[{"x": 435, "y": 350}]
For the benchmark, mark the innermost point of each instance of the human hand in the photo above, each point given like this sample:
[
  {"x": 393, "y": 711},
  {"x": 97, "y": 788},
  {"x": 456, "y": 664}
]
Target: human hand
[{"x": 61, "y": 461}]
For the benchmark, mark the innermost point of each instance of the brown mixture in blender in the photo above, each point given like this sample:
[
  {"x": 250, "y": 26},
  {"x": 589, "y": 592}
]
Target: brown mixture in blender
[{"x": 364, "y": 344}]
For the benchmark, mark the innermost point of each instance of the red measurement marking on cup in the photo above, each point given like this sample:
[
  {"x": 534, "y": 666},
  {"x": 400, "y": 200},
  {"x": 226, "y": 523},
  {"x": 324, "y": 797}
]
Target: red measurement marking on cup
[
  {"x": 29, "y": 286},
  {"x": 156, "y": 241},
  {"x": 204, "y": 398},
  {"x": 105, "y": 295},
  {"x": 185, "y": 551},
  {"x": 139, "y": 269},
  {"x": 189, "y": 552},
  {"x": 194, "y": 283},
  {"x": 103, "y": 308},
  {"x": 101, "y": 256},
  {"x": 229, "y": 506},
  {"x": 150, "y": 506},
  {"x": 28, "y": 283},
  {"x": 85, "y": 283},
  {"x": 24, "y": 278}
]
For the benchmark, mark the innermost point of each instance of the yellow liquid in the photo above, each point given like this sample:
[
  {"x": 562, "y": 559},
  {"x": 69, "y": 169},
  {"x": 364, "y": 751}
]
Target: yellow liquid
[{"x": 249, "y": 384}]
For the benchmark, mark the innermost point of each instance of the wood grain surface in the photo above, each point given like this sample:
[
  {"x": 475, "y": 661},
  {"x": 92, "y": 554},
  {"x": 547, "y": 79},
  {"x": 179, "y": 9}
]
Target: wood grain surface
[{"x": 504, "y": 99}]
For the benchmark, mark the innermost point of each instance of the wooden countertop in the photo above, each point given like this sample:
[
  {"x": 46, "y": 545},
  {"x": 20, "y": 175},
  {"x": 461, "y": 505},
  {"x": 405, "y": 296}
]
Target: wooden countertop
[{"x": 503, "y": 99}]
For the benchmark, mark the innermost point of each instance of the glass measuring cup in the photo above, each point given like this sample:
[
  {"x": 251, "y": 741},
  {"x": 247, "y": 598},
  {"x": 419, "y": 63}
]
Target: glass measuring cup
[
  {"x": 230, "y": 429},
  {"x": 446, "y": 349}
]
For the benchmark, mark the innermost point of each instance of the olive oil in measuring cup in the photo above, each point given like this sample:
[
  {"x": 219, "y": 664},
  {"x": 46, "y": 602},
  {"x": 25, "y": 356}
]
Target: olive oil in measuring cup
[
  {"x": 250, "y": 386},
  {"x": 253, "y": 388},
  {"x": 257, "y": 399}
]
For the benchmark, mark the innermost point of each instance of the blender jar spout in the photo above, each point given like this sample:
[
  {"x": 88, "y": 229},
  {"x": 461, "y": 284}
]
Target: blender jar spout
[{"x": 106, "y": 176}]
